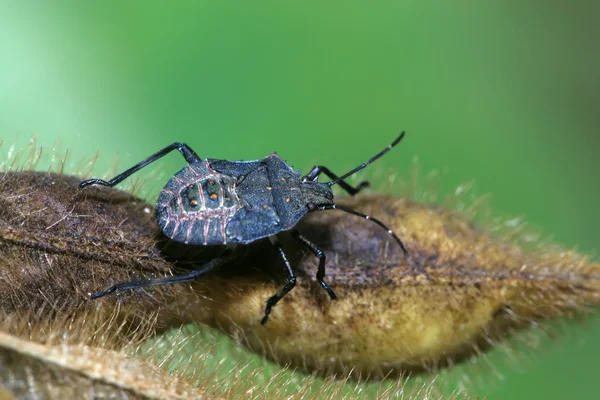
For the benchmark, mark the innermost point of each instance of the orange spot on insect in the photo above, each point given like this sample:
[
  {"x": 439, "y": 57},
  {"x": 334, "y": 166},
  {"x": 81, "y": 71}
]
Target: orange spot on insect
[
  {"x": 283, "y": 179},
  {"x": 191, "y": 186},
  {"x": 194, "y": 202},
  {"x": 228, "y": 198},
  {"x": 211, "y": 182},
  {"x": 265, "y": 206},
  {"x": 287, "y": 199},
  {"x": 214, "y": 196}
]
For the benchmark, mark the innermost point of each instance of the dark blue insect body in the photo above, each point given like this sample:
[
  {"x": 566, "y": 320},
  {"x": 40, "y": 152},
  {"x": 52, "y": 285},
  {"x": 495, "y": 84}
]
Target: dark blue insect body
[{"x": 219, "y": 202}]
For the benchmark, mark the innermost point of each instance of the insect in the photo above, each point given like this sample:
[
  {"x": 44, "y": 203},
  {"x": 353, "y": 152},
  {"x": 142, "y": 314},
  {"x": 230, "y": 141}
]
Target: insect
[{"x": 220, "y": 202}]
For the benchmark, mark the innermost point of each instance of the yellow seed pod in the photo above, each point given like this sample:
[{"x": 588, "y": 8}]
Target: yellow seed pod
[{"x": 388, "y": 319}]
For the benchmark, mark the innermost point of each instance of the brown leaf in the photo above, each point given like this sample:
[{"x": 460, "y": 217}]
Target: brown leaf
[
  {"x": 388, "y": 318},
  {"x": 32, "y": 370},
  {"x": 59, "y": 244},
  {"x": 46, "y": 226},
  {"x": 56, "y": 246}
]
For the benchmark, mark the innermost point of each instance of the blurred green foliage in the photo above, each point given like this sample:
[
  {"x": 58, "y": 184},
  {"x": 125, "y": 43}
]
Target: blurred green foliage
[{"x": 505, "y": 94}]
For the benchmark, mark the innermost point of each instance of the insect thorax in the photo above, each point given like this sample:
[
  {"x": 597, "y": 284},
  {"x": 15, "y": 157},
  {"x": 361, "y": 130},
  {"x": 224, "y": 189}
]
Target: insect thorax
[{"x": 196, "y": 204}]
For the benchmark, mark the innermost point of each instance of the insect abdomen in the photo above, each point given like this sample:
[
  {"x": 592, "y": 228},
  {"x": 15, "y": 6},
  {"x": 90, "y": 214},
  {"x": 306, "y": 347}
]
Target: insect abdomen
[{"x": 196, "y": 204}]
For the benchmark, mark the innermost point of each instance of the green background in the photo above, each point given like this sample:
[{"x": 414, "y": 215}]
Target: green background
[{"x": 504, "y": 94}]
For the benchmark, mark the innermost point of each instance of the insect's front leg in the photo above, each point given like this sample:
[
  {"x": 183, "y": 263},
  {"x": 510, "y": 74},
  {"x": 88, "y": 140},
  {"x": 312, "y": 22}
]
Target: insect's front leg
[
  {"x": 318, "y": 169},
  {"x": 319, "y": 253},
  {"x": 291, "y": 277}
]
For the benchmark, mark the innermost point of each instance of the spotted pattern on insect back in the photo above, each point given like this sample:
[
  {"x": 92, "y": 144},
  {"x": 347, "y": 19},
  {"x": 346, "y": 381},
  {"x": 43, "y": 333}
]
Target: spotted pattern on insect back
[
  {"x": 284, "y": 180},
  {"x": 196, "y": 205}
]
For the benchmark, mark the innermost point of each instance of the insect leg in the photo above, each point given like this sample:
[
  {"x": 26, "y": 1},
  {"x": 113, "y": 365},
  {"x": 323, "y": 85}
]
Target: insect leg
[
  {"x": 190, "y": 277},
  {"x": 319, "y": 253},
  {"x": 318, "y": 169},
  {"x": 291, "y": 277},
  {"x": 189, "y": 155}
]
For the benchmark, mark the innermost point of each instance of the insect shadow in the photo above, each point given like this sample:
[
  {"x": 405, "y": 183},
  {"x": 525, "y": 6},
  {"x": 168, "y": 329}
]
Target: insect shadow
[{"x": 221, "y": 202}]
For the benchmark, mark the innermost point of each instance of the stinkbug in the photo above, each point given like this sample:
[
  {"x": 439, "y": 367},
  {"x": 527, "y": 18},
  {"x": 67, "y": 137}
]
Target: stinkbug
[{"x": 220, "y": 202}]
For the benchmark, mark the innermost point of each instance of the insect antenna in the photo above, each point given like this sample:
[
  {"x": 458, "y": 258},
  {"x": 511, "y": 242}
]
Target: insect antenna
[
  {"x": 367, "y": 217},
  {"x": 363, "y": 165}
]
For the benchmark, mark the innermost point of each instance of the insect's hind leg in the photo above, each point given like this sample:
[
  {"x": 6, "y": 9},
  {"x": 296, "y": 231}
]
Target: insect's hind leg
[
  {"x": 319, "y": 169},
  {"x": 321, "y": 255},
  {"x": 291, "y": 277},
  {"x": 189, "y": 155},
  {"x": 190, "y": 277}
]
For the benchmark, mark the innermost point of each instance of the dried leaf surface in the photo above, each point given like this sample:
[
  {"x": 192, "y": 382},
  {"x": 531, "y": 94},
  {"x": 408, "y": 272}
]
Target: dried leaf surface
[
  {"x": 389, "y": 318},
  {"x": 57, "y": 245},
  {"x": 30, "y": 370}
]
